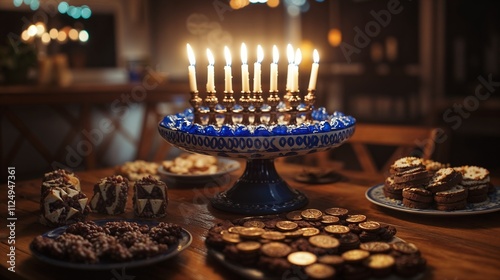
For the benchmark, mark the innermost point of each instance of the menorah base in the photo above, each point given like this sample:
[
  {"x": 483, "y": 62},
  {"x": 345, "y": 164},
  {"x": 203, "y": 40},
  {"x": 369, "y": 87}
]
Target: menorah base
[{"x": 259, "y": 191}]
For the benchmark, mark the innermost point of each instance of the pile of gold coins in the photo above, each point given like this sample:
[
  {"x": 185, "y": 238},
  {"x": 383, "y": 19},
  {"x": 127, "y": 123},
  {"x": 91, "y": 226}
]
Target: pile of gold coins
[{"x": 315, "y": 244}]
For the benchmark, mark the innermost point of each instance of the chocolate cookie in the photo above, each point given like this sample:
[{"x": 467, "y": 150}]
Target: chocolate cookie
[
  {"x": 110, "y": 195},
  {"x": 444, "y": 179},
  {"x": 416, "y": 204},
  {"x": 150, "y": 198},
  {"x": 459, "y": 205},
  {"x": 455, "y": 194},
  {"x": 417, "y": 195}
]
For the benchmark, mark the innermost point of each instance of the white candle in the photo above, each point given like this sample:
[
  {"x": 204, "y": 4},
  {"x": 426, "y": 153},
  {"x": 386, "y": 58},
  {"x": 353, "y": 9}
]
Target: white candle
[
  {"x": 227, "y": 71},
  {"x": 298, "y": 58},
  {"x": 210, "y": 72},
  {"x": 245, "y": 84},
  {"x": 273, "y": 83},
  {"x": 314, "y": 71},
  {"x": 191, "y": 70},
  {"x": 289, "y": 75},
  {"x": 257, "y": 84}
]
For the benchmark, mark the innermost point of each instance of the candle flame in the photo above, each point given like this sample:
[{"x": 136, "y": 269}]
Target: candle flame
[
  {"x": 192, "y": 60},
  {"x": 276, "y": 54},
  {"x": 227, "y": 55},
  {"x": 260, "y": 54},
  {"x": 244, "y": 55},
  {"x": 316, "y": 56},
  {"x": 298, "y": 57},
  {"x": 210, "y": 57},
  {"x": 289, "y": 53}
]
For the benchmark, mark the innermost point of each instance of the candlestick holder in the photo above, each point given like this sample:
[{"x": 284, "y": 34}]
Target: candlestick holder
[
  {"x": 260, "y": 190},
  {"x": 309, "y": 100}
]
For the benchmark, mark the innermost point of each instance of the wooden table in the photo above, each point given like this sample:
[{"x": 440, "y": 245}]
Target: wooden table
[{"x": 457, "y": 247}]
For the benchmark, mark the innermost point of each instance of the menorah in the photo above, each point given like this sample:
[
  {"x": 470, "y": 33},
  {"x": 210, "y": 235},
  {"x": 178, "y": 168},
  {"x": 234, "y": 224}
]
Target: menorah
[{"x": 259, "y": 130}]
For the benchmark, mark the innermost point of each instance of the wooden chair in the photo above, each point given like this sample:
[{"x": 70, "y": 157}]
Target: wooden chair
[
  {"x": 404, "y": 141},
  {"x": 395, "y": 141}
]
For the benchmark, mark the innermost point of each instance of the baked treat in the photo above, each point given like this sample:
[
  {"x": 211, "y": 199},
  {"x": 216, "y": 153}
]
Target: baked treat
[
  {"x": 477, "y": 181},
  {"x": 62, "y": 204},
  {"x": 444, "y": 179},
  {"x": 150, "y": 198},
  {"x": 110, "y": 195},
  {"x": 191, "y": 164},
  {"x": 453, "y": 199},
  {"x": 136, "y": 170},
  {"x": 380, "y": 264},
  {"x": 416, "y": 204},
  {"x": 433, "y": 166},
  {"x": 410, "y": 170},
  {"x": 61, "y": 176},
  {"x": 393, "y": 190},
  {"x": 418, "y": 195}
]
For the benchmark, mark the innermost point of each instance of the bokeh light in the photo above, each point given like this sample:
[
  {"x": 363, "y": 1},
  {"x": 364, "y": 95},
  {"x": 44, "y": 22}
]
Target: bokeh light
[
  {"x": 63, "y": 7},
  {"x": 34, "y": 5},
  {"x": 273, "y": 3},
  {"x": 32, "y": 30},
  {"x": 61, "y": 37},
  {"x": 86, "y": 12},
  {"x": 334, "y": 37},
  {"x": 45, "y": 38},
  {"x": 73, "y": 34},
  {"x": 25, "y": 35},
  {"x": 40, "y": 28},
  {"x": 83, "y": 36},
  {"x": 17, "y": 3}
]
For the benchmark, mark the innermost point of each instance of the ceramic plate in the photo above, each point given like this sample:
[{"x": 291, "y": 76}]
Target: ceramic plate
[
  {"x": 376, "y": 195},
  {"x": 225, "y": 166},
  {"x": 257, "y": 274},
  {"x": 183, "y": 243}
]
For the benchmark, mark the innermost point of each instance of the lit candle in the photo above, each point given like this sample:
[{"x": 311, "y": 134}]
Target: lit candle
[
  {"x": 289, "y": 76},
  {"x": 273, "y": 83},
  {"x": 245, "y": 86},
  {"x": 210, "y": 72},
  {"x": 227, "y": 71},
  {"x": 191, "y": 70},
  {"x": 314, "y": 71},
  {"x": 257, "y": 85},
  {"x": 295, "y": 84}
]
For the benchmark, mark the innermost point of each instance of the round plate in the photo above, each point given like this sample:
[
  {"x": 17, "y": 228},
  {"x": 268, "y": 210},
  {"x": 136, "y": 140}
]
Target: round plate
[
  {"x": 257, "y": 274},
  {"x": 173, "y": 250},
  {"x": 376, "y": 195},
  {"x": 224, "y": 166}
]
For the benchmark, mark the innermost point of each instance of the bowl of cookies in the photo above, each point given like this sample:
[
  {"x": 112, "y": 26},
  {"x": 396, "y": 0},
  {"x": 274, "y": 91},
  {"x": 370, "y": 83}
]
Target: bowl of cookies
[{"x": 197, "y": 170}]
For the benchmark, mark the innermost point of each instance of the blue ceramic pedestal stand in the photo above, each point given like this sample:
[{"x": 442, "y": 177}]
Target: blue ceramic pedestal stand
[{"x": 260, "y": 190}]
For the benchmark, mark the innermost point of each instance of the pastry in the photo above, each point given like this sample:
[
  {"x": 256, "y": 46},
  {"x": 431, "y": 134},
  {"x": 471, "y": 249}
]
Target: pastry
[
  {"x": 150, "y": 198},
  {"x": 444, "y": 179},
  {"x": 110, "y": 195}
]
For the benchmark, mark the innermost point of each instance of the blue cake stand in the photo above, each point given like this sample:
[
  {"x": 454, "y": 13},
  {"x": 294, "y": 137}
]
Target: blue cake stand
[{"x": 260, "y": 190}]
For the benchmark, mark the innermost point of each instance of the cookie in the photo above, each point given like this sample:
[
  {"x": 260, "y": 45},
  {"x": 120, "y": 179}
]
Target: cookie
[
  {"x": 432, "y": 166},
  {"x": 409, "y": 265},
  {"x": 416, "y": 204},
  {"x": 477, "y": 198},
  {"x": 418, "y": 195},
  {"x": 417, "y": 176},
  {"x": 460, "y": 205},
  {"x": 444, "y": 179},
  {"x": 455, "y": 194},
  {"x": 62, "y": 176},
  {"x": 380, "y": 264},
  {"x": 474, "y": 175},
  {"x": 405, "y": 164},
  {"x": 150, "y": 198}
]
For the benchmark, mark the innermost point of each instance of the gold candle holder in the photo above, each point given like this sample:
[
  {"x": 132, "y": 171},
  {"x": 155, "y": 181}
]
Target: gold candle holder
[
  {"x": 257, "y": 102},
  {"x": 229, "y": 103},
  {"x": 211, "y": 101},
  {"x": 294, "y": 102},
  {"x": 245, "y": 102},
  {"x": 273, "y": 100},
  {"x": 196, "y": 102},
  {"x": 309, "y": 99}
]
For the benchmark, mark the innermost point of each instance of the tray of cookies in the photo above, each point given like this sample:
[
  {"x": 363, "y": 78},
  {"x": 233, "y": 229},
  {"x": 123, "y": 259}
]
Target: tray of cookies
[{"x": 427, "y": 187}]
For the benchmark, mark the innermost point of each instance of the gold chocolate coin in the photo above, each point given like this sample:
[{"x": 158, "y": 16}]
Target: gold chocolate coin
[
  {"x": 375, "y": 247},
  {"x": 302, "y": 258},
  {"x": 324, "y": 241},
  {"x": 248, "y": 246},
  {"x": 309, "y": 231},
  {"x": 369, "y": 226},
  {"x": 337, "y": 229},
  {"x": 286, "y": 225},
  {"x": 335, "y": 211},
  {"x": 293, "y": 234},
  {"x": 405, "y": 248},
  {"x": 379, "y": 261},
  {"x": 275, "y": 249},
  {"x": 294, "y": 216},
  {"x": 251, "y": 232},
  {"x": 320, "y": 271},
  {"x": 355, "y": 219},
  {"x": 311, "y": 214},
  {"x": 355, "y": 255},
  {"x": 254, "y": 223},
  {"x": 329, "y": 219},
  {"x": 333, "y": 260},
  {"x": 231, "y": 238},
  {"x": 235, "y": 229},
  {"x": 273, "y": 235}
]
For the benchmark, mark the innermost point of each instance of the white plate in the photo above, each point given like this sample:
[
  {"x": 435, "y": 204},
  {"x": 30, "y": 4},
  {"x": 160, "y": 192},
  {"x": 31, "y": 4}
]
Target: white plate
[
  {"x": 172, "y": 251},
  {"x": 224, "y": 166},
  {"x": 376, "y": 195}
]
